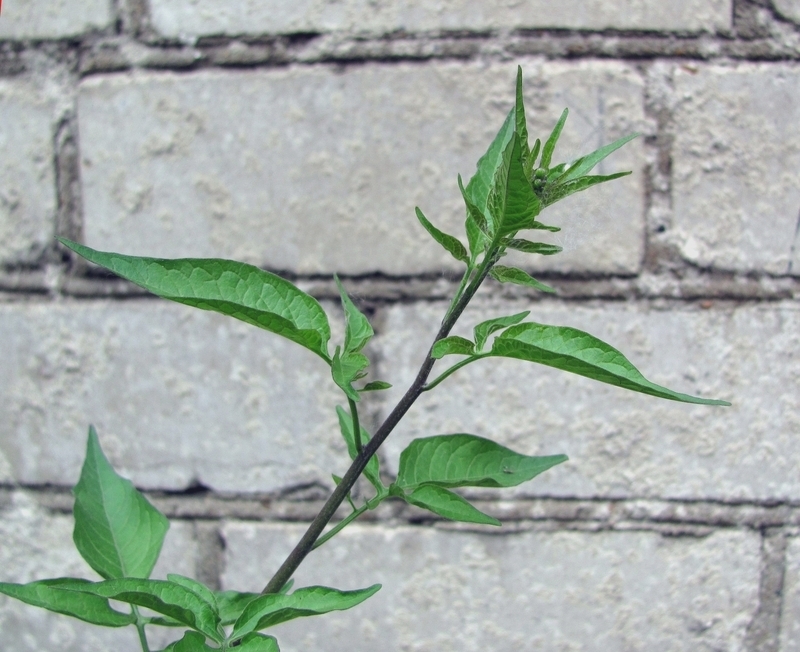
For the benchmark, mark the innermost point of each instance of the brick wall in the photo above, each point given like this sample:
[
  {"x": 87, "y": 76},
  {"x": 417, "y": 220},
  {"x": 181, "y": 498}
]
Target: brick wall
[{"x": 299, "y": 136}]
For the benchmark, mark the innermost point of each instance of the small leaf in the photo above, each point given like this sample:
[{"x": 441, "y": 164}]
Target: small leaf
[
  {"x": 479, "y": 230},
  {"x": 515, "y": 275},
  {"x": 512, "y": 203},
  {"x": 235, "y": 289},
  {"x": 191, "y": 642},
  {"x": 483, "y": 330},
  {"x": 200, "y": 590},
  {"x": 372, "y": 471},
  {"x": 578, "y": 352},
  {"x": 453, "y": 345},
  {"x": 544, "y": 227},
  {"x": 117, "y": 531},
  {"x": 586, "y": 163},
  {"x": 559, "y": 192},
  {"x": 519, "y": 118},
  {"x": 346, "y": 368},
  {"x": 550, "y": 145},
  {"x": 529, "y": 247},
  {"x": 375, "y": 385},
  {"x": 449, "y": 242},
  {"x": 50, "y": 594},
  {"x": 232, "y": 603},
  {"x": 478, "y": 187},
  {"x": 358, "y": 330},
  {"x": 448, "y": 505},
  {"x": 272, "y": 609},
  {"x": 531, "y": 162}
]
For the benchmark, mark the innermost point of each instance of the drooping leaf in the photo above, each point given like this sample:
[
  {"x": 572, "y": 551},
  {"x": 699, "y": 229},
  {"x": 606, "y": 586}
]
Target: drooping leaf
[
  {"x": 544, "y": 227},
  {"x": 452, "y": 345},
  {"x": 550, "y": 145},
  {"x": 519, "y": 118},
  {"x": 447, "y": 504},
  {"x": 372, "y": 472},
  {"x": 451, "y": 244},
  {"x": 272, "y": 609},
  {"x": 200, "y": 590},
  {"x": 50, "y": 595},
  {"x": 586, "y": 163},
  {"x": 117, "y": 531},
  {"x": 235, "y": 289},
  {"x": 515, "y": 275},
  {"x": 358, "y": 330},
  {"x": 232, "y": 603},
  {"x": 529, "y": 247},
  {"x": 478, "y": 187},
  {"x": 463, "y": 460},
  {"x": 191, "y": 642},
  {"x": 346, "y": 368},
  {"x": 561, "y": 191},
  {"x": 483, "y": 330},
  {"x": 375, "y": 385},
  {"x": 578, "y": 352}
]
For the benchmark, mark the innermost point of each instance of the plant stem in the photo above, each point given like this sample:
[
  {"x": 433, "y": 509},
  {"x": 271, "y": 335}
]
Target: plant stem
[
  {"x": 356, "y": 426},
  {"x": 453, "y": 369},
  {"x": 140, "y": 629},
  {"x": 370, "y": 504},
  {"x": 306, "y": 543}
]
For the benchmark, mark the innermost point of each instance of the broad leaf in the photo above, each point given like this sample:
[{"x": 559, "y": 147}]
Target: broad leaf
[
  {"x": 191, "y": 642},
  {"x": 358, "y": 330},
  {"x": 271, "y": 609},
  {"x": 586, "y": 163},
  {"x": 232, "y": 603},
  {"x": 228, "y": 287},
  {"x": 117, "y": 531},
  {"x": 512, "y": 203},
  {"x": 347, "y": 368},
  {"x": 515, "y": 275},
  {"x": 452, "y": 345},
  {"x": 559, "y": 192},
  {"x": 372, "y": 472},
  {"x": 375, "y": 385},
  {"x": 483, "y": 330},
  {"x": 449, "y": 242},
  {"x": 550, "y": 145},
  {"x": 478, "y": 187},
  {"x": 578, "y": 352},
  {"x": 254, "y": 642},
  {"x": 528, "y": 247},
  {"x": 50, "y": 594},
  {"x": 447, "y": 504},
  {"x": 519, "y": 118}
]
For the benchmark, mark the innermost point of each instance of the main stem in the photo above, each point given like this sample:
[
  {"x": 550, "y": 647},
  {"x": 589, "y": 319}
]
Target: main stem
[{"x": 306, "y": 544}]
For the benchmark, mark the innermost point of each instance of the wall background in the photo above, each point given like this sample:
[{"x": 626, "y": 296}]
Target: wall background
[{"x": 299, "y": 136}]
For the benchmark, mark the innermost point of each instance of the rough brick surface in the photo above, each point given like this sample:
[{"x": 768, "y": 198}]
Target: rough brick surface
[
  {"x": 178, "y": 396},
  {"x": 27, "y": 179},
  {"x": 182, "y": 18},
  {"x": 45, "y": 19},
  {"x": 603, "y": 592},
  {"x": 622, "y": 443},
  {"x": 790, "y": 612},
  {"x": 288, "y": 168},
  {"x": 38, "y": 545},
  {"x": 736, "y": 160},
  {"x": 789, "y": 9}
]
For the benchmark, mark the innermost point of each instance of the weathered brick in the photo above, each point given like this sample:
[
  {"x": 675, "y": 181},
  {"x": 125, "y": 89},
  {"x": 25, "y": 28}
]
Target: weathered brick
[
  {"x": 38, "y": 545},
  {"x": 524, "y": 591},
  {"x": 187, "y": 19},
  {"x": 735, "y": 166},
  {"x": 789, "y": 9},
  {"x": 41, "y": 19},
  {"x": 790, "y": 609},
  {"x": 624, "y": 444},
  {"x": 27, "y": 186},
  {"x": 319, "y": 169},
  {"x": 178, "y": 396}
]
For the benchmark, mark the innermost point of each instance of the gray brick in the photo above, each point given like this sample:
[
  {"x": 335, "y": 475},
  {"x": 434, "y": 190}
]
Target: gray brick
[
  {"x": 789, "y": 9},
  {"x": 188, "y": 19},
  {"x": 177, "y": 395},
  {"x": 735, "y": 166},
  {"x": 790, "y": 611},
  {"x": 522, "y": 591},
  {"x": 40, "y": 19},
  {"x": 38, "y": 545},
  {"x": 623, "y": 444},
  {"x": 27, "y": 186},
  {"x": 318, "y": 169}
]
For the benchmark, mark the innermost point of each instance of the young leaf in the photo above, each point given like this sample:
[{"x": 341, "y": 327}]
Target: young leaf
[
  {"x": 346, "y": 368},
  {"x": 529, "y": 247},
  {"x": 372, "y": 472},
  {"x": 479, "y": 229},
  {"x": 512, "y": 203},
  {"x": 200, "y": 590},
  {"x": 550, "y": 145},
  {"x": 478, "y": 187},
  {"x": 232, "y": 603},
  {"x": 445, "y": 503},
  {"x": 450, "y": 243},
  {"x": 358, "y": 330},
  {"x": 375, "y": 385},
  {"x": 515, "y": 275},
  {"x": 228, "y": 287},
  {"x": 117, "y": 531},
  {"x": 51, "y": 595},
  {"x": 559, "y": 192},
  {"x": 453, "y": 345},
  {"x": 578, "y": 352},
  {"x": 586, "y": 163},
  {"x": 530, "y": 164},
  {"x": 483, "y": 330},
  {"x": 271, "y": 609},
  {"x": 519, "y": 118}
]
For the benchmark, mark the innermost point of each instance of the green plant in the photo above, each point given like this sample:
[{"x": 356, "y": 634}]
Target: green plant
[{"x": 119, "y": 533}]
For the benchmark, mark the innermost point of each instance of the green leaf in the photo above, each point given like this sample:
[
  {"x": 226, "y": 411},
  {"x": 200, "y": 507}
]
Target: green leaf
[
  {"x": 512, "y": 203},
  {"x": 191, "y": 642},
  {"x": 479, "y": 231},
  {"x": 358, "y": 330},
  {"x": 544, "y": 227},
  {"x": 483, "y": 330},
  {"x": 50, "y": 594},
  {"x": 375, "y": 385},
  {"x": 346, "y": 368},
  {"x": 586, "y": 163},
  {"x": 519, "y": 118},
  {"x": 200, "y": 590},
  {"x": 232, "y": 603},
  {"x": 529, "y": 247},
  {"x": 578, "y": 352},
  {"x": 167, "y": 598},
  {"x": 559, "y": 192},
  {"x": 271, "y": 609},
  {"x": 515, "y": 275},
  {"x": 449, "y": 242},
  {"x": 463, "y": 460},
  {"x": 117, "y": 531},
  {"x": 445, "y": 503},
  {"x": 550, "y": 145},
  {"x": 478, "y": 187},
  {"x": 254, "y": 642},
  {"x": 453, "y": 345},
  {"x": 228, "y": 287},
  {"x": 531, "y": 162},
  {"x": 372, "y": 472}
]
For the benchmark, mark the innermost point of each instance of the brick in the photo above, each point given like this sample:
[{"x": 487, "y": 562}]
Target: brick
[
  {"x": 623, "y": 444},
  {"x": 187, "y": 19},
  {"x": 318, "y": 169},
  {"x": 789, "y": 9},
  {"x": 40, "y": 19},
  {"x": 521, "y": 591},
  {"x": 38, "y": 545},
  {"x": 735, "y": 162},
  {"x": 27, "y": 180},
  {"x": 178, "y": 397},
  {"x": 790, "y": 609}
]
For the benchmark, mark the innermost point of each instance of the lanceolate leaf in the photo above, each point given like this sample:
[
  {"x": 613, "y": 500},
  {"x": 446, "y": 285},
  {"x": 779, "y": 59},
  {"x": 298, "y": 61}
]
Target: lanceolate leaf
[
  {"x": 449, "y": 242},
  {"x": 117, "y": 531},
  {"x": 463, "y": 460},
  {"x": 573, "y": 350},
  {"x": 586, "y": 163},
  {"x": 512, "y": 202},
  {"x": 478, "y": 228},
  {"x": 453, "y": 345},
  {"x": 50, "y": 594},
  {"x": 550, "y": 145},
  {"x": 372, "y": 471},
  {"x": 515, "y": 275},
  {"x": 447, "y": 504},
  {"x": 519, "y": 118},
  {"x": 529, "y": 247},
  {"x": 231, "y": 288},
  {"x": 486, "y": 328},
  {"x": 375, "y": 385},
  {"x": 358, "y": 330},
  {"x": 478, "y": 187},
  {"x": 530, "y": 164},
  {"x": 271, "y": 609},
  {"x": 561, "y": 191}
]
